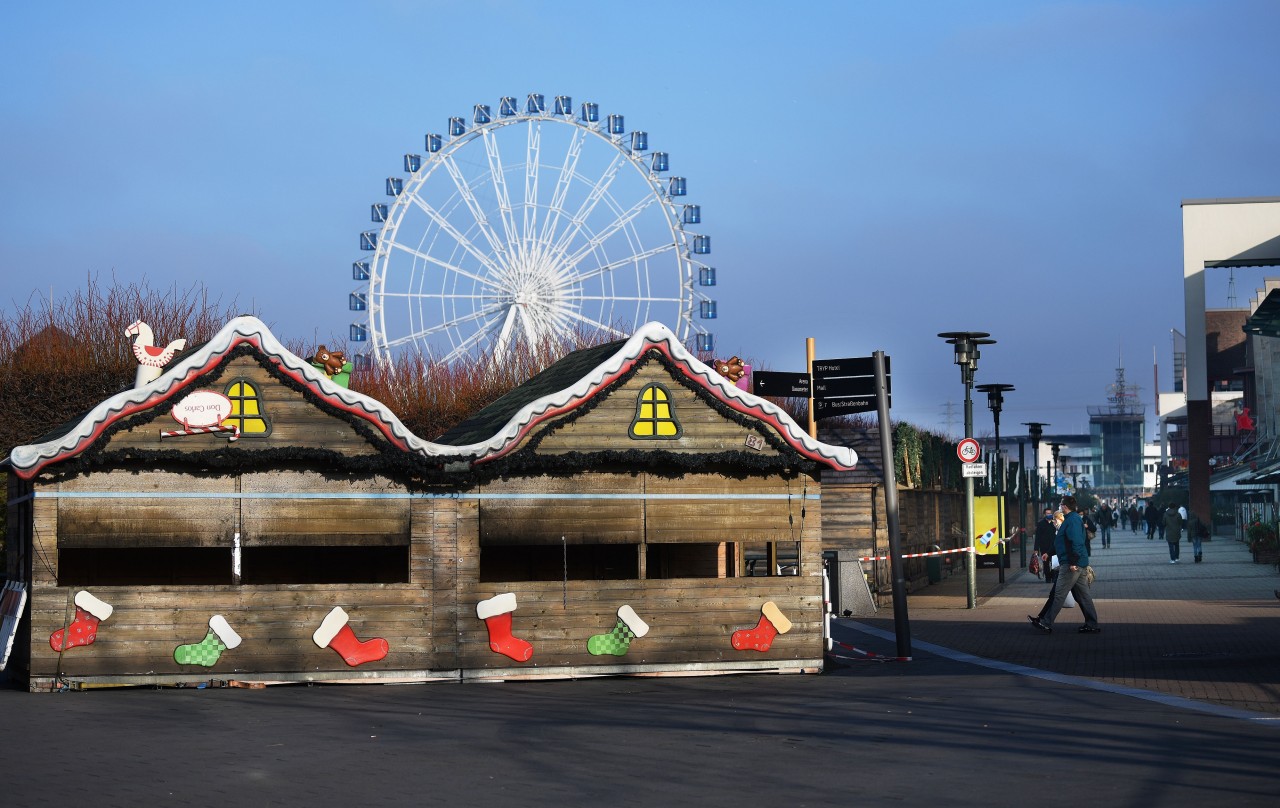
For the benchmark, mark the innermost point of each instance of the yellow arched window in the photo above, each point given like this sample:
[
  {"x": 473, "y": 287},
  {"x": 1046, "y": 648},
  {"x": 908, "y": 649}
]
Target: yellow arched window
[
  {"x": 655, "y": 415},
  {"x": 246, "y": 410}
]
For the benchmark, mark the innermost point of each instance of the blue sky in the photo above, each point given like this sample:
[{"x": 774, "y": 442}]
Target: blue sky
[{"x": 870, "y": 173}]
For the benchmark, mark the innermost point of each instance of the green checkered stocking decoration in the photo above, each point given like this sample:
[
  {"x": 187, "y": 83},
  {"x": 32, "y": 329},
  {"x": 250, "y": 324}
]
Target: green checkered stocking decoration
[
  {"x": 618, "y": 641},
  {"x": 206, "y": 652}
]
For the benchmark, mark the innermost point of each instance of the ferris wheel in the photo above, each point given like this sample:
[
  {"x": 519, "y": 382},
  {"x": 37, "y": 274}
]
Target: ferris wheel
[{"x": 529, "y": 224}]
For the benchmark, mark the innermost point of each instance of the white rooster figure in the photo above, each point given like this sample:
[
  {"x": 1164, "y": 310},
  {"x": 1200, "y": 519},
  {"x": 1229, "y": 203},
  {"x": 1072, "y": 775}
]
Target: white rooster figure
[{"x": 150, "y": 358}]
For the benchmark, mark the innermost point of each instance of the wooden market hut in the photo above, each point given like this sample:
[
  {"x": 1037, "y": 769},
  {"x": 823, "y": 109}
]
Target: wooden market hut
[{"x": 627, "y": 511}]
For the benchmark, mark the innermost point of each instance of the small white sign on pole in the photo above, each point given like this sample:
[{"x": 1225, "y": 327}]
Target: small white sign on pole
[{"x": 973, "y": 469}]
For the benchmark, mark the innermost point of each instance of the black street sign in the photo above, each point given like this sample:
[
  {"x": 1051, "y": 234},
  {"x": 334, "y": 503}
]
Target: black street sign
[
  {"x": 855, "y": 366},
  {"x": 783, "y": 385},
  {"x": 844, "y": 388},
  {"x": 836, "y": 407}
]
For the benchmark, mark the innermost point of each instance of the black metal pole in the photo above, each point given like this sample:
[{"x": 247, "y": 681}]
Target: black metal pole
[
  {"x": 1022, "y": 503},
  {"x": 901, "y": 626},
  {"x": 1000, "y": 556}
]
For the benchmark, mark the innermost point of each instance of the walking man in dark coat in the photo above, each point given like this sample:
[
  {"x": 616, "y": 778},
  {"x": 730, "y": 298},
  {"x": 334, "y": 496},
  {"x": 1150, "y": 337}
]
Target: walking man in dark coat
[{"x": 1073, "y": 556}]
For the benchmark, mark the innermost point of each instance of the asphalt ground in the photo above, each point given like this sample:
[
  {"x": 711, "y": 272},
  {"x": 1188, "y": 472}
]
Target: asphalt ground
[{"x": 985, "y": 713}]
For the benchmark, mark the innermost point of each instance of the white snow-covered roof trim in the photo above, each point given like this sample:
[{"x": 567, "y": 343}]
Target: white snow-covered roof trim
[
  {"x": 185, "y": 373},
  {"x": 648, "y": 337}
]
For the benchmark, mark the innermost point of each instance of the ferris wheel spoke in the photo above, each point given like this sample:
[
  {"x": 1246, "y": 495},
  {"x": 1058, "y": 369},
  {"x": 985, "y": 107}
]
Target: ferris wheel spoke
[
  {"x": 473, "y": 341},
  {"x": 445, "y": 225},
  {"x": 631, "y": 299},
  {"x": 618, "y": 224},
  {"x": 567, "y": 172},
  {"x": 478, "y": 314},
  {"x": 473, "y": 204},
  {"x": 498, "y": 176},
  {"x": 530, "y": 333},
  {"x": 434, "y": 296},
  {"x": 431, "y": 259},
  {"x": 532, "y": 167},
  {"x": 504, "y": 335},
  {"x": 605, "y": 269},
  {"x": 549, "y": 319},
  {"x": 588, "y": 205}
]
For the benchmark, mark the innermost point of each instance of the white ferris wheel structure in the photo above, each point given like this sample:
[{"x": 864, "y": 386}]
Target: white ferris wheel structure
[{"x": 530, "y": 224}]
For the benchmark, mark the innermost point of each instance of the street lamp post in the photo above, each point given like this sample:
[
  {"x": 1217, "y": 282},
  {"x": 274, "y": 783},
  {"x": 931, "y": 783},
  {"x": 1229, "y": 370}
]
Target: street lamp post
[
  {"x": 1022, "y": 501},
  {"x": 966, "y": 344},
  {"x": 1035, "y": 431},
  {"x": 995, "y": 402}
]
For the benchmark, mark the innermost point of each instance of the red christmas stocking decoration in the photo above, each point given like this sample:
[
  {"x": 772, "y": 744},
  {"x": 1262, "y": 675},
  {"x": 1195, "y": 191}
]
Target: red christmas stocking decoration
[
  {"x": 772, "y": 623},
  {"x": 84, "y": 628},
  {"x": 496, "y": 614},
  {"x": 335, "y": 632}
]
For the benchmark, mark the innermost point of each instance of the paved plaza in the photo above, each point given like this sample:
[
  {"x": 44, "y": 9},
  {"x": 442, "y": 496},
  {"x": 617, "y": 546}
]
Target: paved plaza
[{"x": 1208, "y": 631}]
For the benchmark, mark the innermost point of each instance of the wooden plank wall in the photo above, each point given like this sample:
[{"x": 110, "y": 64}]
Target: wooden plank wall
[
  {"x": 203, "y": 520},
  {"x": 521, "y": 520},
  {"x": 430, "y": 622},
  {"x": 691, "y": 620},
  {"x": 321, "y": 521},
  {"x": 275, "y": 621}
]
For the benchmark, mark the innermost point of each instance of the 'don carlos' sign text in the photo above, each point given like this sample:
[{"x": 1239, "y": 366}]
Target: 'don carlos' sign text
[{"x": 203, "y": 408}]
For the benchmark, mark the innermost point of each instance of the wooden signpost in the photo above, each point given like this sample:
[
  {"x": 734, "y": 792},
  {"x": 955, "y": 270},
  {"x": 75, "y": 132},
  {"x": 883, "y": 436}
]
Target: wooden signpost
[
  {"x": 836, "y": 387},
  {"x": 842, "y": 387}
]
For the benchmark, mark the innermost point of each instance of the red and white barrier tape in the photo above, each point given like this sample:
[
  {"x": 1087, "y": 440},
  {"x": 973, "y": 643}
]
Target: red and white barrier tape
[
  {"x": 204, "y": 430},
  {"x": 918, "y": 555}
]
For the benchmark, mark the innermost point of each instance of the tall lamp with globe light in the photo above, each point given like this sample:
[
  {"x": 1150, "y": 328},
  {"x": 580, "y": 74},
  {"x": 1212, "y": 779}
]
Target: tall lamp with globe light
[
  {"x": 1035, "y": 431},
  {"x": 967, "y": 345}
]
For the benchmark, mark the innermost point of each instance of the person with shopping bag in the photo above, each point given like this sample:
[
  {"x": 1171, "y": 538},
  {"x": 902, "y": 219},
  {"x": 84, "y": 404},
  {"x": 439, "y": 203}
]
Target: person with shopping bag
[{"x": 1073, "y": 557}]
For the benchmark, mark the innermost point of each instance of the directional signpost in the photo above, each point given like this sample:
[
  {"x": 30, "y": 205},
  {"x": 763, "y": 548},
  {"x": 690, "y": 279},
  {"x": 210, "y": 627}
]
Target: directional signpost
[
  {"x": 783, "y": 385},
  {"x": 845, "y": 386},
  {"x": 842, "y": 387},
  {"x": 839, "y": 386}
]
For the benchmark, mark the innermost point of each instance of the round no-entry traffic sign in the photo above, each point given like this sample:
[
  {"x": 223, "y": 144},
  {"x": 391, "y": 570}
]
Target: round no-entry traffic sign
[{"x": 968, "y": 450}]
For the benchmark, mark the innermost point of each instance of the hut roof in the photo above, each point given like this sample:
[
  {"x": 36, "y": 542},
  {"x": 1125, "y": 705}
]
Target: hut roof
[
  {"x": 489, "y": 421},
  {"x": 184, "y": 374},
  {"x": 491, "y": 433},
  {"x": 583, "y": 375}
]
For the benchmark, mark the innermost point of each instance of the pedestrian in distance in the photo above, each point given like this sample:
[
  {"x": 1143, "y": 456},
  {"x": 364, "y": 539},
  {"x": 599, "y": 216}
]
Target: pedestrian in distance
[
  {"x": 1055, "y": 521},
  {"x": 1106, "y": 518},
  {"x": 1173, "y": 524},
  {"x": 1045, "y": 531},
  {"x": 1152, "y": 516},
  {"x": 1197, "y": 532},
  {"x": 1073, "y": 557}
]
